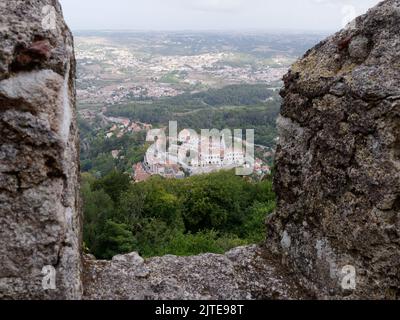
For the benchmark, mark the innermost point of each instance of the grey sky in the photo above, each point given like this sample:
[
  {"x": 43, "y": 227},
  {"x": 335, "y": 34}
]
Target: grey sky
[{"x": 313, "y": 15}]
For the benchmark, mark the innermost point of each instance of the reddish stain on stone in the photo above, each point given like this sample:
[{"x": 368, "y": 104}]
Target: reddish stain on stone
[
  {"x": 40, "y": 48},
  {"x": 29, "y": 57},
  {"x": 344, "y": 43},
  {"x": 23, "y": 59}
]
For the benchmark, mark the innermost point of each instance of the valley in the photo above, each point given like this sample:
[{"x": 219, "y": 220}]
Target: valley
[{"x": 131, "y": 83}]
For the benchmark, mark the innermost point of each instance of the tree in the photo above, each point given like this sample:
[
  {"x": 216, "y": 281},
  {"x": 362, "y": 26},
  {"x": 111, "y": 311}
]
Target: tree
[
  {"x": 114, "y": 184},
  {"x": 115, "y": 238},
  {"x": 206, "y": 213},
  {"x": 254, "y": 227},
  {"x": 97, "y": 208},
  {"x": 131, "y": 206}
]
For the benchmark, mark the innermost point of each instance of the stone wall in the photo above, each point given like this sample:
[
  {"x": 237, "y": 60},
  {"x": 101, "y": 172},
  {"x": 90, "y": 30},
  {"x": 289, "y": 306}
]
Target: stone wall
[
  {"x": 338, "y": 161},
  {"x": 39, "y": 164},
  {"x": 245, "y": 273},
  {"x": 337, "y": 176}
]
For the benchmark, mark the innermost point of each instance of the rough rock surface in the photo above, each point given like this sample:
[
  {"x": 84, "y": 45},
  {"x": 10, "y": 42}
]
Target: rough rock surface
[
  {"x": 39, "y": 164},
  {"x": 243, "y": 273},
  {"x": 338, "y": 161},
  {"x": 337, "y": 176}
]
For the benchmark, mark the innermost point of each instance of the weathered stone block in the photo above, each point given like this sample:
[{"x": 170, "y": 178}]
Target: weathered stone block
[
  {"x": 337, "y": 165},
  {"x": 39, "y": 166}
]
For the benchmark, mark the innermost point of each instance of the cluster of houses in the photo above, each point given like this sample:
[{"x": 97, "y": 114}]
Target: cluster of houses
[
  {"x": 194, "y": 155},
  {"x": 143, "y": 171},
  {"x": 260, "y": 168},
  {"x": 123, "y": 125}
]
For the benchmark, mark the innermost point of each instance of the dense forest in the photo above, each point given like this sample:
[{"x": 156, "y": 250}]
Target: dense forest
[
  {"x": 207, "y": 213},
  {"x": 234, "y": 107}
]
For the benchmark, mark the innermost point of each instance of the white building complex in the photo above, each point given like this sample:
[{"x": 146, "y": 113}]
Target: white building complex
[{"x": 196, "y": 155}]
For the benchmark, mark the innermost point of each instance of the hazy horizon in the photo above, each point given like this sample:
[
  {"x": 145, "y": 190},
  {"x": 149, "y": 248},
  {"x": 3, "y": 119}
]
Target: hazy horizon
[{"x": 212, "y": 15}]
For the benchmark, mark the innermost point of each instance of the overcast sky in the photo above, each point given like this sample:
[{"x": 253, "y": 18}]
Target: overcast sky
[{"x": 294, "y": 15}]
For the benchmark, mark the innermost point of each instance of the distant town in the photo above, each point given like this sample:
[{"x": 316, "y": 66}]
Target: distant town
[
  {"x": 111, "y": 72},
  {"x": 124, "y": 79},
  {"x": 217, "y": 155},
  {"x": 164, "y": 74}
]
